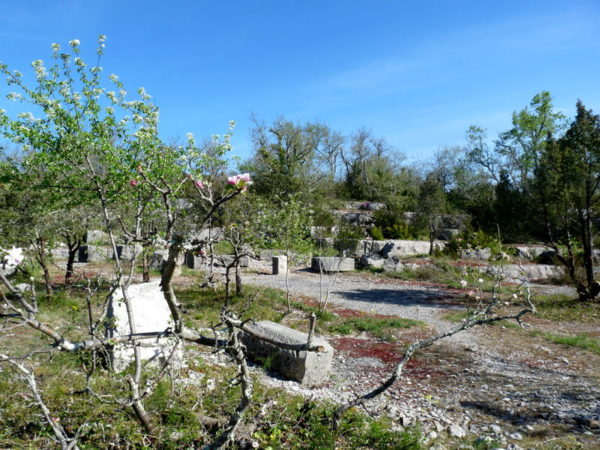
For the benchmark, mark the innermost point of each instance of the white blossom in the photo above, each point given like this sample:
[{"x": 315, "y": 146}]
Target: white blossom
[
  {"x": 463, "y": 283},
  {"x": 74, "y": 43},
  {"x": 13, "y": 257},
  {"x": 55, "y": 47}
]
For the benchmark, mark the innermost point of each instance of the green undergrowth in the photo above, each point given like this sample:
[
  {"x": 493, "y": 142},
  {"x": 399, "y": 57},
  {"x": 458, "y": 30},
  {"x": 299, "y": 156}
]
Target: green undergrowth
[{"x": 183, "y": 414}]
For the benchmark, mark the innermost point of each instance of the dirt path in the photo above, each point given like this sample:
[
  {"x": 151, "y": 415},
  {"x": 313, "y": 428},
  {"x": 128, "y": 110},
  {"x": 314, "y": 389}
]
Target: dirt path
[{"x": 494, "y": 382}]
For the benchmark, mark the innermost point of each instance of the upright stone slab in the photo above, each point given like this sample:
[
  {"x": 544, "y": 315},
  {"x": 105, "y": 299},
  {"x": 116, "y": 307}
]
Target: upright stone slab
[
  {"x": 331, "y": 264},
  {"x": 92, "y": 253},
  {"x": 280, "y": 265},
  {"x": 309, "y": 368},
  {"x": 193, "y": 261},
  {"x": 150, "y": 314}
]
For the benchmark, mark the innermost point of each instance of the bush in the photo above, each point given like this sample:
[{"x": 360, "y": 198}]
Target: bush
[
  {"x": 376, "y": 233},
  {"x": 471, "y": 240},
  {"x": 391, "y": 223},
  {"x": 347, "y": 239}
]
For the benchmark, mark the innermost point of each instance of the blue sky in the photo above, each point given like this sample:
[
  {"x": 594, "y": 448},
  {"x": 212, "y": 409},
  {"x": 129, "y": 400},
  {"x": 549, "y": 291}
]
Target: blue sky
[{"x": 416, "y": 73}]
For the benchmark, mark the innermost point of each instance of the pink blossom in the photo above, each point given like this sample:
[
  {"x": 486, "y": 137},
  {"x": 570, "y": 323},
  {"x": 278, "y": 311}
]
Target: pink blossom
[
  {"x": 240, "y": 181},
  {"x": 134, "y": 183},
  {"x": 199, "y": 184}
]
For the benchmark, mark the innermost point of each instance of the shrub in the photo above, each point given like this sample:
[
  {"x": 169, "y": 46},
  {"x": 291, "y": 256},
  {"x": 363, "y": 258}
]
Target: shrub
[{"x": 347, "y": 239}]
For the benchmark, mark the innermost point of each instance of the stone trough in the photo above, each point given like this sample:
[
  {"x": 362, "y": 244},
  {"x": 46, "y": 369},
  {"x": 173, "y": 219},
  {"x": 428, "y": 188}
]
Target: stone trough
[
  {"x": 332, "y": 264},
  {"x": 282, "y": 348}
]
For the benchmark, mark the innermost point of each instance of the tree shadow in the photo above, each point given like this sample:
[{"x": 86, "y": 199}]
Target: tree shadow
[{"x": 402, "y": 297}]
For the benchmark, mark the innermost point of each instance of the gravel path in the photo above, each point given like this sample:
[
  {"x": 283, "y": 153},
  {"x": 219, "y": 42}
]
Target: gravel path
[{"x": 477, "y": 381}]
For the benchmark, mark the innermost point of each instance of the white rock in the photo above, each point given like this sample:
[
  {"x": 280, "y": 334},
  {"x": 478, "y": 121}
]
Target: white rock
[{"x": 456, "y": 431}]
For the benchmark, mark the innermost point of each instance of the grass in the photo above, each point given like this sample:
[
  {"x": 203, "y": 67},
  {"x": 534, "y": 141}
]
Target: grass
[
  {"x": 459, "y": 316},
  {"x": 566, "y": 308},
  {"x": 378, "y": 327},
  {"x": 581, "y": 341}
]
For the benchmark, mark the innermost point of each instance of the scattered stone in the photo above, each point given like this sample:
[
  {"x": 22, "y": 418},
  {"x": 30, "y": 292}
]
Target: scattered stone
[
  {"x": 516, "y": 436},
  {"x": 496, "y": 429},
  {"x": 483, "y": 254},
  {"x": 264, "y": 341},
  {"x": 455, "y": 430},
  {"x": 392, "y": 264},
  {"x": 332, "y": 264}
]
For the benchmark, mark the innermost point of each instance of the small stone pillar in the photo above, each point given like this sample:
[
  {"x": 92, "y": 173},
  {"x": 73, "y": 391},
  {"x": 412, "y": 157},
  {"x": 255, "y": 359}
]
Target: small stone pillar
[{"x": 279, "y": 265}]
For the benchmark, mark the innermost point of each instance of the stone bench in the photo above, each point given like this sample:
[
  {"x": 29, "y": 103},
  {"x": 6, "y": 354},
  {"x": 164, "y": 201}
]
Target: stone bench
[{"x": 285, "y": 351}]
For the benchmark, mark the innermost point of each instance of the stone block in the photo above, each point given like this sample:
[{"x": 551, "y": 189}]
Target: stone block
[
  {"x": 371, "y": 261},
  {"x": 93, "y": 253},
  {"x": 159, "y": 259},
  {"x": 127, "y": 252},
  {"x": 193, "y": 261},
  {"x": 331, "y": 264},
  {"x": 225, "y": 260},
  {"x": 280, "y": 265},
  {"x": 96, "y": 237},
  {"x": 150, "y": 314},
  {"x": 401, "y": 248},
  {"x": 528, "y": 271},
  {"x": 267, "y": 341},
  {"x": 60, "y": 252}
]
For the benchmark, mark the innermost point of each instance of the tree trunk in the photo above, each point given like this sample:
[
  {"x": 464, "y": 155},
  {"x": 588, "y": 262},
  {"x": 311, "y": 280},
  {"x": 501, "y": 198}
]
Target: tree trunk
[
  {"x": 73, "y": 249},
  {"x": 238, "y": 279},
  {"x": 42, "y": 260},
  {"x": 145, "y": 266}
]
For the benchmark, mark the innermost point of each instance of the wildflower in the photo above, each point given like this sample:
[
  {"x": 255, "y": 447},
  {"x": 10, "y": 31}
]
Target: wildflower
[
  {"x": 515, "y": 296},
  {"x": 480, "y": 280},
  {"x": 134, "y": 183},
  {"x": 74, "y": 43},
  {"x": 463, "y": 283},
  {"x": 14, "y": 257}
]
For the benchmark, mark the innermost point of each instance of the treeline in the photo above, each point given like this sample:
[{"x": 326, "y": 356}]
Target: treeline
[{"x": 535, "y": 182}]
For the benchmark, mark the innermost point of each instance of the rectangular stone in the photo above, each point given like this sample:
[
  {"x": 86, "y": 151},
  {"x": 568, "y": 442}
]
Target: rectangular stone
[
  {"x": 92, "y": 253},
  {"x": 266, "y": 341},
  {"x": 332, "y": 264},
  {"x": 195, "y": 261},
  {"x": 151, "y": 314},
  {"x": 280, "y": 265}
]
